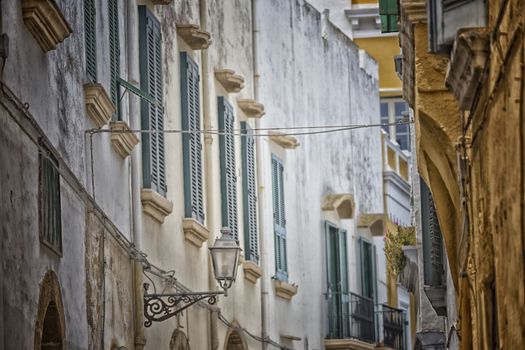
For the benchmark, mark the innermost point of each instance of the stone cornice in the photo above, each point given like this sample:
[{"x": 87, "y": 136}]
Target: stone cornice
[
  {"x": 467, "y": 61},
  {"x": 196, "y": 38},
  {"x": 229, "y": 80},
  {"x": 122, "y": 140},
  {"x": 251, "y": 108},
  {"x": 45, "y": 21}
]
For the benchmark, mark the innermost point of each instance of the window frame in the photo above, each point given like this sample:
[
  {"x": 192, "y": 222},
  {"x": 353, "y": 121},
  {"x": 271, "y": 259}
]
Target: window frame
[{"x": 279, "y": 222}]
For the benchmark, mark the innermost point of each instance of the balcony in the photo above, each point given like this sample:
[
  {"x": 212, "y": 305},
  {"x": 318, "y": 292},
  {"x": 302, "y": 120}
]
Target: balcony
[{"x": 355, "y": 323}]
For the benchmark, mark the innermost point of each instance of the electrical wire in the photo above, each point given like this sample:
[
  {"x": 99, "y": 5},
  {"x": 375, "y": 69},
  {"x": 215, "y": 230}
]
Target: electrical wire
[{"x": 254, "y": 132}]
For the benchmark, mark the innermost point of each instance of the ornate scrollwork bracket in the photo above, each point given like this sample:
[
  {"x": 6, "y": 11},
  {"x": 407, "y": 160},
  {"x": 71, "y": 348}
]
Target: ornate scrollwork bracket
[{"x": 160, "y": 307}]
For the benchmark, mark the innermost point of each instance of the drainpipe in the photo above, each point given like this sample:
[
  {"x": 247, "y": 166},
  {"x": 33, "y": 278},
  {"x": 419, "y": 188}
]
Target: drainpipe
[
  {"x": 263, "y": 253},
  {"x": 136, "y": 170},
  {"x": 209, "y": 173}
]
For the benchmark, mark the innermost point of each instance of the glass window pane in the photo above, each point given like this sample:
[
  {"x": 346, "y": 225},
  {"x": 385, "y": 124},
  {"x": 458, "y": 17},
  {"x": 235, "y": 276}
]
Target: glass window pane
[{"x": 384, "y": 116}]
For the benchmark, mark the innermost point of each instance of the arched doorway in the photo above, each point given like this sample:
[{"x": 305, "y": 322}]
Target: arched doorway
[
  {"x": 235, "y": 341},
  {"x": 179, "y": 341},
  {"x": 50, "y": 322}
]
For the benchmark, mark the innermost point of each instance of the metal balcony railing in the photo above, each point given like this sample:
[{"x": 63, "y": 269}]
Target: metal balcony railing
[
  {"x": 350, "y": 316},
  {"x": 393, "y": 321}
]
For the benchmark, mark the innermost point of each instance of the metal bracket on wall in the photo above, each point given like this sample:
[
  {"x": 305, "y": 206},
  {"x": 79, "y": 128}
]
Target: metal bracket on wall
[{"x": 160, "y": 307}]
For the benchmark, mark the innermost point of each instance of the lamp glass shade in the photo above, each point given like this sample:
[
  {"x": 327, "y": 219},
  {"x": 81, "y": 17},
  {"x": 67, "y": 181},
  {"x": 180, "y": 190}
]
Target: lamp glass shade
[{"x": 225, "y": 256}]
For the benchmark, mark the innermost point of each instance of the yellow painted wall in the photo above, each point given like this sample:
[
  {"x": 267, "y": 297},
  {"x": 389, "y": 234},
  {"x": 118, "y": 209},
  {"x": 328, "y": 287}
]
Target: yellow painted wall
[{"x": 383, "y": 49}]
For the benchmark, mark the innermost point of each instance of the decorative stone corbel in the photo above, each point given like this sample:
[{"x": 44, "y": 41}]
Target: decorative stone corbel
[
  {"x": 251, "y": 108},
  {"x": 252, "y": 271},
  {"x": 342, "y": 203},
  {"x": 229, "y": 80},
  {"x": 196, "y": 38},
  {"x": 467, "y": 61},
  {"x": 194, "y": 232},
  {"x": 122, "y": 140},
  {"x": 46, "y": 23},
  {"x": 99, "y": 106},
  {"x": 284, "y": 289},
  {"x": 375, "y": 223},
  {"x": 155, "y": 205},
  {"x": 285, "y": 141}
]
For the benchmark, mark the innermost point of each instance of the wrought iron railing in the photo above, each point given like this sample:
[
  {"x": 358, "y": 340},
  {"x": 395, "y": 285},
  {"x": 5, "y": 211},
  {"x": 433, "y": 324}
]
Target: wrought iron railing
[
  {"x": 393, "y": 326},
  {"x": 350, "y": 316}
]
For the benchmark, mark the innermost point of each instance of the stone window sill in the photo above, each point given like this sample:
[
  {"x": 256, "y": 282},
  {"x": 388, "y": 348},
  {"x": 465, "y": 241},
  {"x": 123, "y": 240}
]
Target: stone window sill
[
  {"x": 46, "y": 23},
  {"x": 192, "y": 35},
  {"x": 155, "y": 205},
  {"x": 195, "y": 232},
  {"x": 347, "y": 344},
  {"x": 252, "y": 271},
  {"x": 284, "y": 289},
  {"x": 251, "y": 108},
  {"x": 122, "y": 140},
  {"x": 99, "y": 106}
]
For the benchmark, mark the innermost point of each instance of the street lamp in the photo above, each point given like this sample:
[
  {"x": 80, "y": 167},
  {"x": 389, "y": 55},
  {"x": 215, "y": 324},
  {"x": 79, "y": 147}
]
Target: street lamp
[
  {"x": 225, "y": 257},
  {"x": 225, "y": 254}
]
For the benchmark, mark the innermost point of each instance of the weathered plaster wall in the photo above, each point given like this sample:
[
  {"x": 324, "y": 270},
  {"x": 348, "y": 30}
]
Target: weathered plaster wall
[{"x": 308, "y": 80}]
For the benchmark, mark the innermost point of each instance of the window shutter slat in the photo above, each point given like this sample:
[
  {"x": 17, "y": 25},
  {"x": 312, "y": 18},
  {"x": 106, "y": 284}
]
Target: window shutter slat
[
  {"x": 228, "y": 174},
  {"x": 191, "y": 142},
  {"x": 114, "y": 50},
  {"x": 90, "y": 39},
  {"x": 279, "y": 219},
  {"x": 152, "y": 114},
  {"x": 249, "y": 190}
]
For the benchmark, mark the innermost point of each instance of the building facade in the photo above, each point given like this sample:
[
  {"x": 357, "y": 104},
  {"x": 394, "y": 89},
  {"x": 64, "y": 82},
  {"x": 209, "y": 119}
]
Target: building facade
[
  {"x": 132, "y": 132},
  {"x": 463, "y": 77}
]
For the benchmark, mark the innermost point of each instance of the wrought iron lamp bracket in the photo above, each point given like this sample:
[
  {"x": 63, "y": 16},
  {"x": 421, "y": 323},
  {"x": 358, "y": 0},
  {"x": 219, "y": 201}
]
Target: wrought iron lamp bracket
[{"x": 160, "y": 307}]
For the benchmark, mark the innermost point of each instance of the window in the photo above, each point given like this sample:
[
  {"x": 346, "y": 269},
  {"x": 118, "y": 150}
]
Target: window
[
  {"x": 389, "y": 15},
  {"x": 367, "y": 254},
  {"x": 337, "y": 282},
  {"x": 279, "y": 220},
  {"x": 228, "y": 176},
  {"x": 191, "y": 142},
  {"x": 446, "y": 17},
  {"x": 432, "y": 240},
  {"x": 114, "y": 51},
  {"x": 392, "y": 111},
  {"x": 249, "y": 195},
  {"x": 152, "y": 114},
  {"x": 90, "y": 40},
  {"x": 50, "y": 209}
]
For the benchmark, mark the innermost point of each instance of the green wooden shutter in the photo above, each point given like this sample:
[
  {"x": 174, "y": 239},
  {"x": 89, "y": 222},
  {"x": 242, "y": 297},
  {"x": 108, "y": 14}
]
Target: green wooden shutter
[
  {"x": 90, "y": 39},
  {"x": 334, "y": 294},
  {"x": 50, "y": 211},
  {"x": 114, "y": 52},
  {"x": 343, "y": 283},
  {"x": 152, "y": 114},
  {"x": 433, "y": 269},
  {"x": 191, "y": 142},
  {"x": 389, "y": 13},
  {"x": 279, "y": 219},
  {"x": 251, "y": 240},
  {"x": 228, "y": 173}
]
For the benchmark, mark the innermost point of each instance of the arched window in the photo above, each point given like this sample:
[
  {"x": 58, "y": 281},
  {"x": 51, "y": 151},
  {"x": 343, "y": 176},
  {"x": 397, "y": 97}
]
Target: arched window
[
  {"x": 50, "y": 322},
  {"x": 179, "y": 341},
  {"x": 235, "y": 341}
]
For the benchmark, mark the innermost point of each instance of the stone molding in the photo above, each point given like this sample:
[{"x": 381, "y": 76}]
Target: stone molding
[
  {"x": 467, "y": 61},
  {"x": 347, "y": 344},
  {"x": 375, "y": 223},
  {"x": 229, "y": 80},
  {"x": 284, "y": 289},
  {"x": 99, "y": 106},
  {"x": 252, "y": 271},
  {"x": 251, "y": 108},
  {"x": 46, "y": 23},
  {"x": 342, "y": 203},
  {"x": 192, "y": 35},
  {"x": 195, "y": 232},
  {"x": 161, "y": 2},
  {"x": 155, "y": 205},
  {"x": 285, "y": 141},
  {"x": 122, "y": 140}
]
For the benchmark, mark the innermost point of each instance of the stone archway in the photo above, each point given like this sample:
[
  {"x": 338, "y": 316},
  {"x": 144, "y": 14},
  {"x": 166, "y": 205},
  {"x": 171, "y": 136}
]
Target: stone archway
[
  {"x": 235, "y": 341},
  {"x": 50, "y": 321},
  {"x": 179, "y": 341}
]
